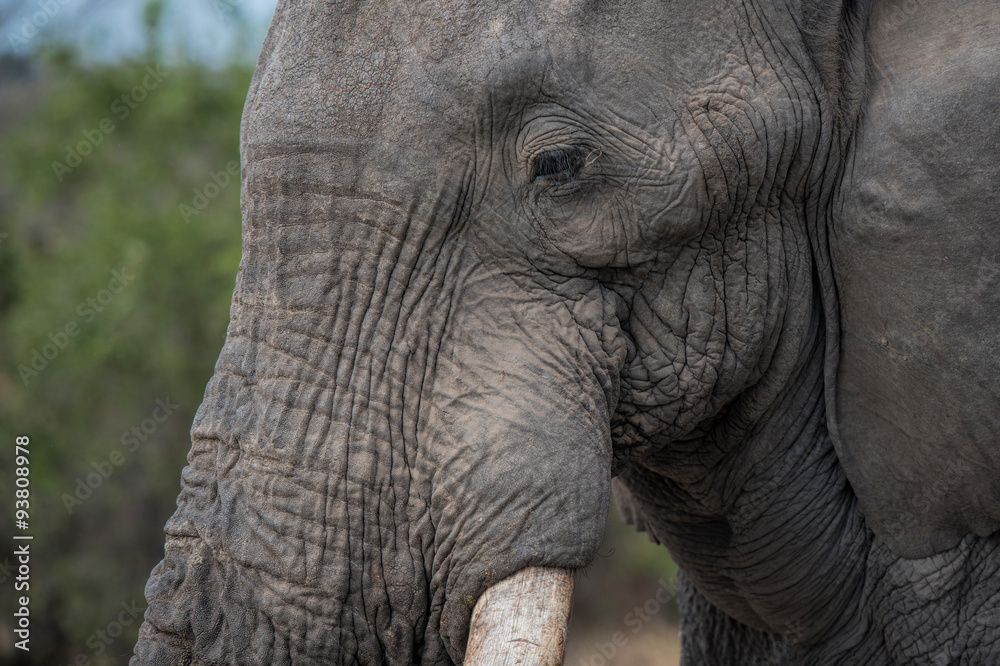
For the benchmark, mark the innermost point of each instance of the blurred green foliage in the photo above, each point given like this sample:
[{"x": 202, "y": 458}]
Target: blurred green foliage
[
  {"x": 119, "y": 244},
  {"x": 627, "y": 570},
  {"x": 87, "y": 355}
]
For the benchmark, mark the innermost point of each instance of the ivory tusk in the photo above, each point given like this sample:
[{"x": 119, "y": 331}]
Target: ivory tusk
[{"x": 522, "y": 620}]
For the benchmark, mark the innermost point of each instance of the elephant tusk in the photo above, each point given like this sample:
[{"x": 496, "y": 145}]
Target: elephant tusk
[{"x": 522, "y": 620}]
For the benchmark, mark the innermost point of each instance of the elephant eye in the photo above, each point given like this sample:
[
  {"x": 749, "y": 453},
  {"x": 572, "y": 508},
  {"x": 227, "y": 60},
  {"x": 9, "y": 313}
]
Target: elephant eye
[{"x": 557, "y": 165}]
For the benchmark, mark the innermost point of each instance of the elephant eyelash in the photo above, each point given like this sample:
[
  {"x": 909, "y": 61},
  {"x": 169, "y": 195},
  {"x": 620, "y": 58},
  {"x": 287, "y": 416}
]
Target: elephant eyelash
[{"x": 557, "y": 165}]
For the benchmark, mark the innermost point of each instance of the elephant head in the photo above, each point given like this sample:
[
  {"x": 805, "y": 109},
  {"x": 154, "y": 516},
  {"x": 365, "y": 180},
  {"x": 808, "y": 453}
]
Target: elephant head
[{"x": 737, "y": 255}]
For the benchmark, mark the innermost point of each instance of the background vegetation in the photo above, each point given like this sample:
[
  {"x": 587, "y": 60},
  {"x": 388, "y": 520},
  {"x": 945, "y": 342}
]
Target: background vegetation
[{"x": 116, "y": 269}]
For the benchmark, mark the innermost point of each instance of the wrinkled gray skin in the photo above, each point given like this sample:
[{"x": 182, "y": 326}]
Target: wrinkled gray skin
[{"x": 741, "y": 256}]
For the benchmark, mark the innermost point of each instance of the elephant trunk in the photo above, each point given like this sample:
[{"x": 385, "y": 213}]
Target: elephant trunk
[
  {"x": 400, "y": 418},
  {"x": 393, "y": 427},
  {"x": 522, "y": 619}
]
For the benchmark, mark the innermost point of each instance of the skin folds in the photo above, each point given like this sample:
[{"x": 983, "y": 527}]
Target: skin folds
[{"x": 495, "y": 255}]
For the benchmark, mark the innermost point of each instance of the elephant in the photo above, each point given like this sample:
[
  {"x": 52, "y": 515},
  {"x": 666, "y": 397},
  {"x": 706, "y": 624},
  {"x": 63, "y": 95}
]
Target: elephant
[{"x": 733, "y": 262}]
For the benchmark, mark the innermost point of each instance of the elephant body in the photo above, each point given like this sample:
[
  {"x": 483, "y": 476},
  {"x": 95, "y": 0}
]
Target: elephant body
[{"x": 734, "y": 261}]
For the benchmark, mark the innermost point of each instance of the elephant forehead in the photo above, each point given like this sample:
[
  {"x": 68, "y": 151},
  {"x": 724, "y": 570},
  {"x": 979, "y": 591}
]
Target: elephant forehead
[
  {"x": 323, "y": 67},
  {"x": 369, "y": 72},
  {"x": 463, "y": 46},
  {"x": 409, "y": 77},
  {"x": 479, "y": 35}
]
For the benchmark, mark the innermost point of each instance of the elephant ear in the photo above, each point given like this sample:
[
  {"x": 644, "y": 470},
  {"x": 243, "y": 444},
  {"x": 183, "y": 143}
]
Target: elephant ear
[{"x": 913, "y": 379}]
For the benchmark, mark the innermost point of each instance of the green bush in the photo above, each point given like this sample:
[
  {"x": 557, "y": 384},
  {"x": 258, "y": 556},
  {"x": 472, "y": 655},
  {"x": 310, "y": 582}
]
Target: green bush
[{"x": 121, "y": 239}]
